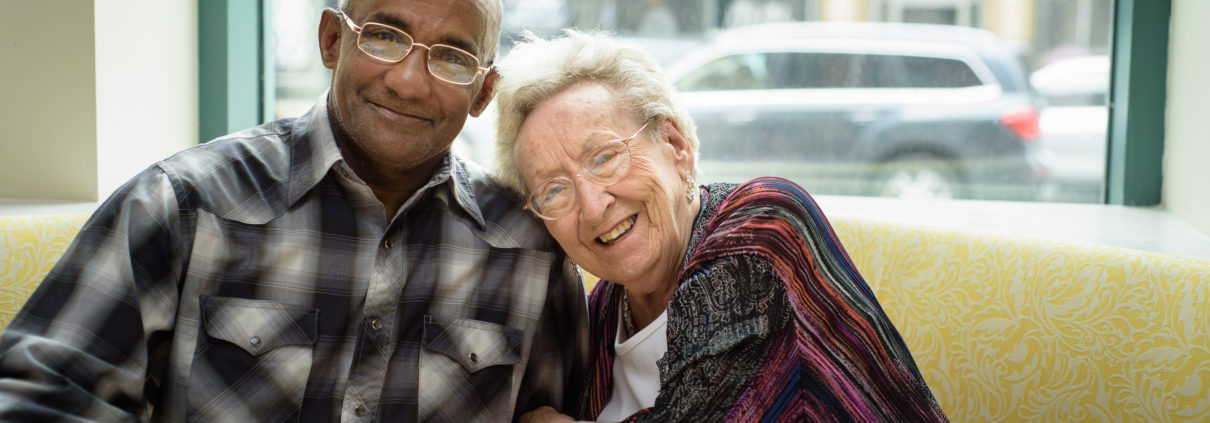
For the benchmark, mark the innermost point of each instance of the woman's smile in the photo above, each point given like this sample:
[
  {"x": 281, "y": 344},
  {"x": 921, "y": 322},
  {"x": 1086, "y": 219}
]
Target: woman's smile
[{"x": 615, "y": 234}]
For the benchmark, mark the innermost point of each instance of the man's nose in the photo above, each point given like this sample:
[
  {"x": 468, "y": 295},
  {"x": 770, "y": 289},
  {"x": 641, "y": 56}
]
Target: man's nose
[{"x": 410, "y": 77}]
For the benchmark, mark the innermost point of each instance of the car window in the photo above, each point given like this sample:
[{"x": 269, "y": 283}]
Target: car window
[
  {"x": 771, "y": 70},
  {"x": 735, "y": 72},
  {"x": 901, "y": 71},
  {"x": 934, "y": 72},
  {"x": 879, "y": 71},
  {"x": 1078, "y": 100},
  {"x": 812, "y": 70},
  {"x": 799, "y": 70}
]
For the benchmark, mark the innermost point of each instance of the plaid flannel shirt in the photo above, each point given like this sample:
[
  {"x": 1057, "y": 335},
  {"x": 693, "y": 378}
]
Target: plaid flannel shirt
[{"x": 256, "y": 278}]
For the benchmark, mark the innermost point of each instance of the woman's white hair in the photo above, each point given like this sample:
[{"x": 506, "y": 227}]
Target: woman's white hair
[{"x": 536, "y": 70}]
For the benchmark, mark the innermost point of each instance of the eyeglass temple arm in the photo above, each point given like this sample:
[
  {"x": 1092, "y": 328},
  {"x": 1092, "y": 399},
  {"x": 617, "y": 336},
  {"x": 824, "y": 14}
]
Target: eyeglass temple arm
[{"x": 347, "y": 20}]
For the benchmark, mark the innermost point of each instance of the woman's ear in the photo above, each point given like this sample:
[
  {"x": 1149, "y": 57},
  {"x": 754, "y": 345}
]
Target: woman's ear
[{"x": 682, "y": 149}]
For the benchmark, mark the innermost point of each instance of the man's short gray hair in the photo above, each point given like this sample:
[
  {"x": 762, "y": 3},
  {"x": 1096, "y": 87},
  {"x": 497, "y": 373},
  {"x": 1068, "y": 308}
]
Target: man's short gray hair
[{"x": 536, "y": 70}]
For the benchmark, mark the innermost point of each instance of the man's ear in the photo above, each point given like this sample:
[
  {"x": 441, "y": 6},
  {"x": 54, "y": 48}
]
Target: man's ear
[
  {"x": 484, "y": 97},
  {"x": 329, "y": 37}
]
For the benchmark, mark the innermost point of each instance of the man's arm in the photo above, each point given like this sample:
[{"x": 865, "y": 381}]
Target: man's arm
[
  {"x": 79, "y": 347},
  {"x": 555, "y": 374}
]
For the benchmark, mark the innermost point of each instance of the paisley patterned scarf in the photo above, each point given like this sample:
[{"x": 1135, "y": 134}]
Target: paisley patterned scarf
[{"x": 829, "y": 354}]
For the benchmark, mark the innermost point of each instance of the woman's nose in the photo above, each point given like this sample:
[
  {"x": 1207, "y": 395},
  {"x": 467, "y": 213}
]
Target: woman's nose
[{"x": 594, "y": 198}]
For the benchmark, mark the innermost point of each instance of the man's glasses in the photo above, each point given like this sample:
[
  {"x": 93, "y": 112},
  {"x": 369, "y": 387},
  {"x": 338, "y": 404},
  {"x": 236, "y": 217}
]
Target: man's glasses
[
  {"x": 604, "y": 165},
  {"x": 391, "y": 45}
]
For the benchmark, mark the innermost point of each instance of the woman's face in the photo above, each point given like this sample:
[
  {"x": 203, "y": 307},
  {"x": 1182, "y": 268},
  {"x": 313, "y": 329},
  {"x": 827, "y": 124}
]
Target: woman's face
[{"x": 634, "y": 231}]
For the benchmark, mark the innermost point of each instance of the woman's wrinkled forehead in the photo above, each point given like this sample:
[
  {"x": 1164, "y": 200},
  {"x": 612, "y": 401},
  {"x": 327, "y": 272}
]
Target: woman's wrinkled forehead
[
  {"x": 579, "y": 113},
  {"x": 557, "y": 133},
  {"x": 549, "y": 146}
]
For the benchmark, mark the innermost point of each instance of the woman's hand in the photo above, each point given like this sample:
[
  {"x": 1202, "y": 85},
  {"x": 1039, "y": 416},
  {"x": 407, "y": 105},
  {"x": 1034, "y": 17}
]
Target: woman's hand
[{"x": 545, "y": 414}]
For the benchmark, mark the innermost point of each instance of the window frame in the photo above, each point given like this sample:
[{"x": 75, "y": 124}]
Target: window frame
[
  {"x": 235, "y": 86},
  {"x": 1137, "y": 102},
  {"x": 235, "y": 78}
]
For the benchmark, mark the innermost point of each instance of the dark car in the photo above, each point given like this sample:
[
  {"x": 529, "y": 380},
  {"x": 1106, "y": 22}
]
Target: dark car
[{"x": 902, "y": 110}]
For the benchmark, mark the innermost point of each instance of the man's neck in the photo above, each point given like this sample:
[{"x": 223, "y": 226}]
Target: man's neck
[
  {"x": 393, "y": 188},
  {"x": 392, "y": 184}
]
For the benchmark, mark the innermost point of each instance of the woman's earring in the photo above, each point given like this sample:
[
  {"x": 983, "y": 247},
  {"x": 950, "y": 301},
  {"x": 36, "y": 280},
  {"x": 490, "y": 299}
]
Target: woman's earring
[{"x": 691, "y": 189}]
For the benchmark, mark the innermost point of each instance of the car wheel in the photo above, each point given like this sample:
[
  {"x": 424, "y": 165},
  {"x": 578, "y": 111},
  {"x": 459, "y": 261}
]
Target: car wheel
[{"x": 919, "y": 176}]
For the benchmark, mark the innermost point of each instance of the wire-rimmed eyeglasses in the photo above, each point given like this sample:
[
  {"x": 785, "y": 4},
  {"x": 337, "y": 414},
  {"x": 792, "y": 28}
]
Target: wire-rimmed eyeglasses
[
  {"x": 391, "y": 45},
  {"x": 604, "y": 166}
]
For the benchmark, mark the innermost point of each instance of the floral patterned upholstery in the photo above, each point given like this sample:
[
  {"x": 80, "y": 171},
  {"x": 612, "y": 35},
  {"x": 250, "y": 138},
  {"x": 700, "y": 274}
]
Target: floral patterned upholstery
[
  {"x": 1017, "y": 328},
  {"x": 1004, "y": 327},
  {"x": 29, "y": 247}
]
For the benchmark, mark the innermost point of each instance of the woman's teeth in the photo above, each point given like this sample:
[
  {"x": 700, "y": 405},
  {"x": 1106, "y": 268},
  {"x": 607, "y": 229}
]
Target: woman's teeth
[{"x": 618, "y": 231}]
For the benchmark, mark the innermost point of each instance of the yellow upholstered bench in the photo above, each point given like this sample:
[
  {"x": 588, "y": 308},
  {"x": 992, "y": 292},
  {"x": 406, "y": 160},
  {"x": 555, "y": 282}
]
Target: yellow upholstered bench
[
  {"x": 1003, "y": 327},
  {"x": 1018, "y": 328},
  {"x": 29, "y": 247}
]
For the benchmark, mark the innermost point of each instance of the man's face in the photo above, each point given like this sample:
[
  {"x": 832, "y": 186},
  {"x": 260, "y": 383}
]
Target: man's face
[{"x": 397, "y": 116}]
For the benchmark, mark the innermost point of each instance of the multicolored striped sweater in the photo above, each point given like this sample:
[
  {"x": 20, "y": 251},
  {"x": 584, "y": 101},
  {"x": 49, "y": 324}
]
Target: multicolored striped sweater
[{"x": 770, "y": 322}]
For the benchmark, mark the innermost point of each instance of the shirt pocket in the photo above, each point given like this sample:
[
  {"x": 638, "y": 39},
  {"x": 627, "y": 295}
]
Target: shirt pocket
[
  {"x": 252, "y": 360},
  {"x": 470, "y": 363}
]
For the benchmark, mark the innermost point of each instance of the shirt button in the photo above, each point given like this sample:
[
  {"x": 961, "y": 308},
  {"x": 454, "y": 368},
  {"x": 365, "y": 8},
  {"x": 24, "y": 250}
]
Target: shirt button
[
  {"x": 255, "y": 341},
  {"x": 386, "y": 244},
  {"x": 472, "y": 358},
  {"x": 376, "y": 325},
  {"x": 359, "y": 410}
]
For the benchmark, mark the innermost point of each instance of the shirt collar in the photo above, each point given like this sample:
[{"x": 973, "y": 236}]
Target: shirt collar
[
  {"x": 314, "y": 154},
  {"x": 464, "y": 192},
  {"x": 457, "y": 175}
]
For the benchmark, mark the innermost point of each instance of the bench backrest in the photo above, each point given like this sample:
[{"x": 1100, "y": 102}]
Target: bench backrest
[
  {"x": 29, "y": 247},
  {"x": 1018, "y": 328}
]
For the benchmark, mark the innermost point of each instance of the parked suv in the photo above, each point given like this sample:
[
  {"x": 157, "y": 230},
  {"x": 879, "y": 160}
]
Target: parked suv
[{"x": 903, "y": 110}]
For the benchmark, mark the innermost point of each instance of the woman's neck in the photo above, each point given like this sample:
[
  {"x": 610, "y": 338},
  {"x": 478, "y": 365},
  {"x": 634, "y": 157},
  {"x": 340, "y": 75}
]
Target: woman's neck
[
  {"x": 646, "y": 305},
  {"x": 644, "y": 308}
]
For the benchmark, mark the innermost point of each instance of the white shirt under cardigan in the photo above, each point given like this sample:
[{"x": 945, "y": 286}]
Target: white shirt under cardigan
[{"x": 636, "y": 378}]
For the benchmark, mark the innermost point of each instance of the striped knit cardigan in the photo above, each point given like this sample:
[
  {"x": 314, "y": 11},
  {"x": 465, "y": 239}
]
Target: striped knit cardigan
[{"x": 770, "y": 322}]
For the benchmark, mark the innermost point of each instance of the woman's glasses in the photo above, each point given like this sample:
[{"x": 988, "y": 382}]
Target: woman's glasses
[{"x": 604, "y": 165}]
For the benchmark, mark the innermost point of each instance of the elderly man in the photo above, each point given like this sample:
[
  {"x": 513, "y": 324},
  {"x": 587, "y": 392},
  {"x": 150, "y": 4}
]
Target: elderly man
[{"x": 340, "y": 266}]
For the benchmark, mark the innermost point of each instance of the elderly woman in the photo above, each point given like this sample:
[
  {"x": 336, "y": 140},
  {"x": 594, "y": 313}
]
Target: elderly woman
[{"x": 716, "y": 303}]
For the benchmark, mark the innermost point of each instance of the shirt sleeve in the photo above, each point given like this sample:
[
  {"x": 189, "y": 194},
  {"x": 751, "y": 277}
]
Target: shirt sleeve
[
  {"x": 555, "y": 374},
  {"x": 79, "y": 348},
  {"x": 724, "y": 320}
]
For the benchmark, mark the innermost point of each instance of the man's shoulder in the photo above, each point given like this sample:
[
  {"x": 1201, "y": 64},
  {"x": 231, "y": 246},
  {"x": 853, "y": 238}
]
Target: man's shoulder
[
  {"x": 506, "y": 222},
  {"x": 265, "y": 143},
  {"x": 228, "y": 172}
]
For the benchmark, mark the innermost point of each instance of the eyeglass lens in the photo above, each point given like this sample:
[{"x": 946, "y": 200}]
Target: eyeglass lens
[
  {"x": 604, "y": 165},
  {"x": 392, "y": 45}
]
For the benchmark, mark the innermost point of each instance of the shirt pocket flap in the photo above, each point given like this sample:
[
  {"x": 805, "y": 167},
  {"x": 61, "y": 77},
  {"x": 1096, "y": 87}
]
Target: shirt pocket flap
[
  {"x": 472, "y": 343},
  {"x": 258, "y": 326}
]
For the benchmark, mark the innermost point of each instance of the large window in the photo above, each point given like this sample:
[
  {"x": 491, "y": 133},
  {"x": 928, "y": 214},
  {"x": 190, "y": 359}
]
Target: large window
[
  {"x": 299, "y": 75},
  {"x": 920, "y": 99}
]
